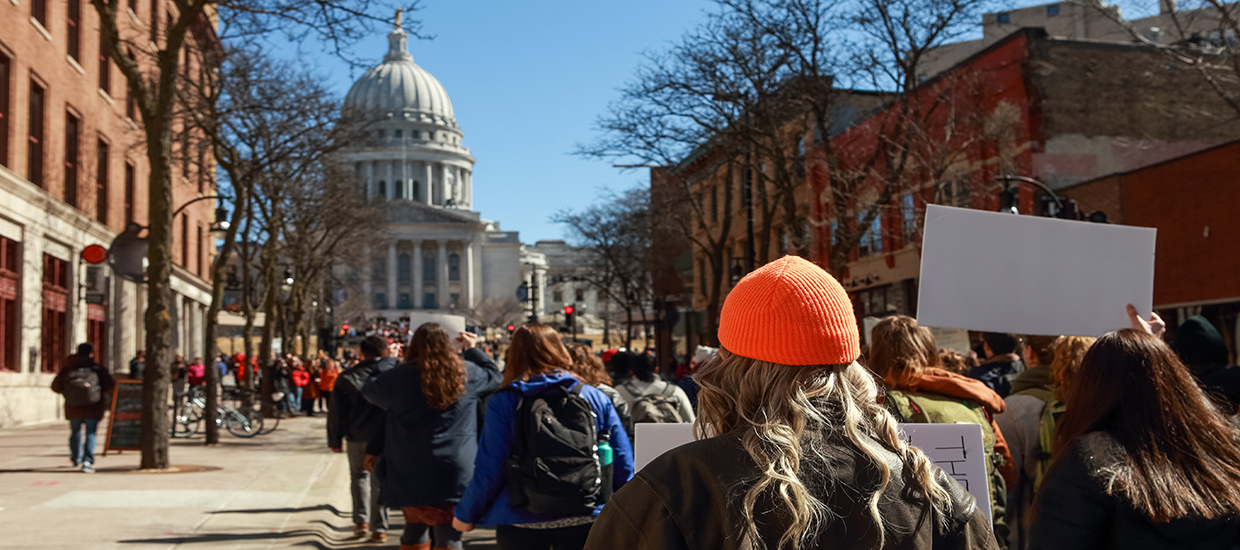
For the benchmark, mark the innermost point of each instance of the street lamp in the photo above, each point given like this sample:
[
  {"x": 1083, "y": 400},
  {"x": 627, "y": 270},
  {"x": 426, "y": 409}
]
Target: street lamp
[{"x": 287, "y": 282}]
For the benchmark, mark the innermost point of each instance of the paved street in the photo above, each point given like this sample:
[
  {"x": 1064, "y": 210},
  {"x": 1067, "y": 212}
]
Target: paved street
[{"x": 275, "y": 491}]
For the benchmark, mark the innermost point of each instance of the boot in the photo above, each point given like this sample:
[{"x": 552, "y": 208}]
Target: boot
[
  {"x": 378, "y": 537},
  {"x": 360, "y": 529},
  {"x": 423, "y": 546}
]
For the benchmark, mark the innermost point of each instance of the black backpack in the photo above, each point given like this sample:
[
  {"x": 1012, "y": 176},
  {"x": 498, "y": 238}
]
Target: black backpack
[
  {"x": 553, "y": 468},
  {"x": 82, "y": 388}
]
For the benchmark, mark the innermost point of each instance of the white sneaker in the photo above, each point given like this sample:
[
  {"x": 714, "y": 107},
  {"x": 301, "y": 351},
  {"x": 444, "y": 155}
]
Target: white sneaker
[{"x": 88, "y": 468}]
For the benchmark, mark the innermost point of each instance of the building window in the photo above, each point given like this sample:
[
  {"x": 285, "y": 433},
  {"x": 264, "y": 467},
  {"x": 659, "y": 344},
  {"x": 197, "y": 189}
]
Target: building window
[
  {"x": 1005, "y": 18},
  {"x": 454, "y": 300},
  {"x": 382, "y": 189},
  {"x": 4, "y": 109},
  {"x": 413, "y": 134},
  {"x": 185, "y": 151},
  {"x": 909, "y": 213},
  {"x": 399, "y": 134},
  {"x": 185, "y": 241},
  {"x": 454, "y": 267},
  {"x": 154, "y": 21},
  {"x": 400, "y": 189},
  {"x": 129, "y": 193},
  {"x": 1052, "y": 10},
  {"x": 557, "y": 296},
  {"x": 872, "y": 237},
  {"x": 404, "y": 268},
  {"x": 198, "y": 259},
  {"x": 202, "y": 170},
  {"x": 105, "y": 66},
  {"x": 73, "y": 27},
  {"x": 417, "y": 192},
  {"x": 38, "y": 10},
  {"x": 97, "y": 331},
  {"x": 10, "y": 277},
  {"x": 580, "y": 294},
  {"x": 428, "y": 301},
  {"x": 956, "y": 192},
  {"x": 405, "y": 301},
  {"x": 101, "y": 184},
  {"x": 133, "y": 6},
  {"x": 380, "y": 301},
  {"x": 380, "y": 134},
  {"x": 34, "y": 166},
  {"x": 428, "y": 269},
  {"x": 72, "y": 126},
  {"x": 55, "y": 326}
]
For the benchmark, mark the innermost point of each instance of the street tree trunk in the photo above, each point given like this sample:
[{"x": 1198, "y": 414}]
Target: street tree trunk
[
  {"x": 156, "y": 420},
  {"x": 270, "y": 292},
  {"x": 218, "y": 277}
]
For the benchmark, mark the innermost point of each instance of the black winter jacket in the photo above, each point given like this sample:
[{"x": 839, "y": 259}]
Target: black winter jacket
[
  {"x": 1076, "y": 513},
  {"x": 349, "y": 415},
  {"x": 690, "y": 497},
  {"x": 106, "y": 383}
]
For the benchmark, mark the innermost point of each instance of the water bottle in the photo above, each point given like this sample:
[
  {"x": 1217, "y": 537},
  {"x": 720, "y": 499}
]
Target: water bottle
[{"x": 606, "y": 456}]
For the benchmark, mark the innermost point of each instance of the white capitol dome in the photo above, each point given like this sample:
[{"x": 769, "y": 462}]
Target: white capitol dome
[{"x": 399, "y": 88}]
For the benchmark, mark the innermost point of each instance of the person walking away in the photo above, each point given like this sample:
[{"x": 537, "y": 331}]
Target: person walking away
[
  {"x": 650, "y": 398},
  {"x": 905, "y": 356},
  {"x": 430, "y": 435},
  {"x": 1002, "y": 364},
  {"x": 550, "y": 455},
  {"x": 137, "y": 366},
  {"x": 1201, "y": 348},
  {"x": 196, "y": 373},
  {"x": 792, "y": 450},
  {"x": 1028, "y": 423},
  {"x": 87, "y": 388},
  {"x": 588, "y": 368},
  {"x": 351, "y": 422},
  {"x": 327, "y": 383},
  {"x": 1142, "y": 458}
]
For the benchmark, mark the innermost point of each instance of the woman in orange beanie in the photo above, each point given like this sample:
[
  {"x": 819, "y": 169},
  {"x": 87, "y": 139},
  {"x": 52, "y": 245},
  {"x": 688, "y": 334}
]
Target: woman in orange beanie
[
  {"x": 905, "y": 357},
  {"x": 793, "y": 449}
]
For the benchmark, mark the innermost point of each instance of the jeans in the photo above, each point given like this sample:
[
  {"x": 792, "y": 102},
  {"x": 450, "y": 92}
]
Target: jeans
[
  {"x": 440, "y": 536},
  {"x": 292, "y": 399},
  {"x": 365, "y": 489},
  {"x": 77, "y": 452},
  {"x": 511, "y": 537}
]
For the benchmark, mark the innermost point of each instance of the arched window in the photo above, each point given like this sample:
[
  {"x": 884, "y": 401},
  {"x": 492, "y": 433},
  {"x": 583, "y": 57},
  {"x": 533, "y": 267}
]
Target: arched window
[
  {"x": 417, "y": 194},
  {"x": 404, "y": 269},
  {"x": 400, "y": 189},
  {"x": 428, "y": 269},
  {"x": 454, "y": 267},
  {"x": 382, "y": 189}
]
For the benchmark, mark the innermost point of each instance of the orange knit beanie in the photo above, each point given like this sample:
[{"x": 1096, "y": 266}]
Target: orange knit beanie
[{"x": 790, "y": 312}]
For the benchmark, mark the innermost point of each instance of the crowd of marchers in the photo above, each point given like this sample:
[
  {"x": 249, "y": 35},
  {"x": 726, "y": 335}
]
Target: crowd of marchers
[{"x": 1124, "y": 441}]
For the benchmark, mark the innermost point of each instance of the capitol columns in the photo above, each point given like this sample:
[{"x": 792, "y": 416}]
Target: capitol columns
[
  {"x": 430, "y": 181},
  {"x": 468, "y": 276}
]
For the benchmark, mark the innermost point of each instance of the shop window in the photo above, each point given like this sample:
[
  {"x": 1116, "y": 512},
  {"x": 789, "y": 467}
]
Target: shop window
[
  {"x": 55, "y": 326},
  {"x": 10, "y": 323},
  {"x": 5, "y": 67}
]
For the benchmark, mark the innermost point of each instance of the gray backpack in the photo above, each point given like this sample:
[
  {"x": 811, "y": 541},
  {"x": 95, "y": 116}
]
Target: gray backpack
[
  {"x": 658, "y": 408},
  {"x": 82, "y": 388}
]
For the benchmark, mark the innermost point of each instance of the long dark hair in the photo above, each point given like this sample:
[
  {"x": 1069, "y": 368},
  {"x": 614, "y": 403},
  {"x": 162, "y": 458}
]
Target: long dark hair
[
  {"x": 1181, "y": 456},
  {"x": 442, "y": 370},
  {"x": 535, "y": 349}
]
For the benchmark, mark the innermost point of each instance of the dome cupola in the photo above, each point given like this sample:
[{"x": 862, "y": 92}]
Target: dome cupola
[{"x": 398, "y": 88}]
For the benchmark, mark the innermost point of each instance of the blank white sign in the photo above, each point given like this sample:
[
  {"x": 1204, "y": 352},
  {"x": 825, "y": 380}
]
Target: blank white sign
[
  {"x": 653, "y": 440},
  {"x": 998, "y": 272}
]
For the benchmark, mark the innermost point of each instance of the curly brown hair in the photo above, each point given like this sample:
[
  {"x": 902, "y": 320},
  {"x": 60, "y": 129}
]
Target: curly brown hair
[
  {"x": 535, "y": 349},
  {"x": 442, "y": 370},
  {"x": 588, "y": 367}
]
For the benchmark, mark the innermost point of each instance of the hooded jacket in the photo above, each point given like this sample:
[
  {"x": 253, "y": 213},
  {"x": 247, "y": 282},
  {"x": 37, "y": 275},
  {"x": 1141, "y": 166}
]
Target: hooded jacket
[
  {"x": 1076, "y": 513},
  {"x": 942, "y": 382},
  {"x": 428, "y": 454},
  {"x": 999, "y": 372},
  {"x": 486, "y": 500},
  {"x": 1201, "y": 347},
  {"x": 94, "y": 411},
  {"x": 349, "y": 415},
  {"x": 688, "y": 498}
]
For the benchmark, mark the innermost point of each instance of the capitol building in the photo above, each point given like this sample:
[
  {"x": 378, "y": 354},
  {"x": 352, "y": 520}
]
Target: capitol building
[{"x": 441, "y": 256}]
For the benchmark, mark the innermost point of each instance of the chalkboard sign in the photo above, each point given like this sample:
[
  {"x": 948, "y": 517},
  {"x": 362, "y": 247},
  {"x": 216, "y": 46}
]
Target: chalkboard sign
[{"x": 125, "y": 426}]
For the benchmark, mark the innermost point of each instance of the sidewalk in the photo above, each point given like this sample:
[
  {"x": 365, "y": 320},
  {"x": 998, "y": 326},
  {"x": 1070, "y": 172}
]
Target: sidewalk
[{"x": 280, "y": 490}]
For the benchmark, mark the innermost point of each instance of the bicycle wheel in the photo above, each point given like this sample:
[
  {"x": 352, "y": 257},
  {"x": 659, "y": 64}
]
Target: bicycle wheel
[
  {"x": 243, "y": 425},
  {"x": 183, "y": 427}
]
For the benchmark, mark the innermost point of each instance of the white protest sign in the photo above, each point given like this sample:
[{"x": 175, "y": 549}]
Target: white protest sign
[
  {"x": 1028, "y": 275},
  {"x": 867, "y": 327},
  {"x": 653, "y": 440},
  {"x": 951, "y": 338},
  {"x": 454, "y": 324},
  {"x": 958, "y": 450}
]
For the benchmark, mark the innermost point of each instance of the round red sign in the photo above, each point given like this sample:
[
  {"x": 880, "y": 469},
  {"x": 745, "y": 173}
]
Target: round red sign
[{"x": 95, "y": 254}]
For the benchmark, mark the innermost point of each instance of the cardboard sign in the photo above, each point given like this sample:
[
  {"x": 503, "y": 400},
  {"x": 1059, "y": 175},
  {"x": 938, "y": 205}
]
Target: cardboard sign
[
  {"x": 1028, "y": 275},
  {"x": 956, "y": 448},
  {"x": 951, "y": 338},
  {"x": 125, "y": 422},
  {"x": 454, "y": 324}
]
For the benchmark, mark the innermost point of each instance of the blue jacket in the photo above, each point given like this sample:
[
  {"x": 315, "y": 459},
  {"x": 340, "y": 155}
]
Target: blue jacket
[
  {"x": 486, "y": 500},
  {"x": 428, "y": 455}
]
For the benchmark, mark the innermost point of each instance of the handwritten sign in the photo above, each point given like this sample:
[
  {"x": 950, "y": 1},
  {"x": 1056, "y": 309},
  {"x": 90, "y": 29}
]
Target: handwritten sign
[
  {"x": 125, "y": 423},
  {"x": 958, "y": 450}
]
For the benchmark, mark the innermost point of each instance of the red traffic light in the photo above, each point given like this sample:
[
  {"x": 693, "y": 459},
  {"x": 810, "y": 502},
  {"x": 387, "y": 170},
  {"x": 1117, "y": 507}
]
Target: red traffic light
[
  {"x": 512, "y": 328},
  {"x": 345, "y": 326},
  {"x": 568, "y": 310}
]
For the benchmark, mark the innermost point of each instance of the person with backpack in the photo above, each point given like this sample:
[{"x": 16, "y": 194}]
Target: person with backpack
[
  {"x": 430, "y": 436},
  {"x": 905, "y": 357},
  {"x": 552, "y": 451},
  {"x": 588, "y": 368},
  {"x": 793, "y": 449},
  {"x": 650, "y": 398},
  {"x": 87, "y": 388},
  {"x": 1028, "y": 423},
  {"x": 1143, "y": 459}
]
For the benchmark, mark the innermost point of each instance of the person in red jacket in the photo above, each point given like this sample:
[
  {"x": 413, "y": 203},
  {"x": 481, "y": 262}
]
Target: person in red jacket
[
  {"x": 196, "y": 372},
  {"x": 301, "y": 379}
]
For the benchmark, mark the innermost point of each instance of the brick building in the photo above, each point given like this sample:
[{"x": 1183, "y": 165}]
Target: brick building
[
  {"x": 1191, "y": 201},
  {"x": 73, "y": 173}
]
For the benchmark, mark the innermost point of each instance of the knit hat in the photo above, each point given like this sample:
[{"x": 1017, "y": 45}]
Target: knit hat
[{"x": 790, "y": 312}]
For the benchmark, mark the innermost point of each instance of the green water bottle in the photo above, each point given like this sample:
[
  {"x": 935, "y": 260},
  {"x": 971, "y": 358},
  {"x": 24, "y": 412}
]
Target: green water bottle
[{"x": 606, "y": 455}]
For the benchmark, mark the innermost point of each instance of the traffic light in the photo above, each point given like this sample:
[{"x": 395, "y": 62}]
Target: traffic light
[
  {"x": 512, "y": 328},
  {"x": 344, "y": 329},
  {"x": 568, "y": 315}
]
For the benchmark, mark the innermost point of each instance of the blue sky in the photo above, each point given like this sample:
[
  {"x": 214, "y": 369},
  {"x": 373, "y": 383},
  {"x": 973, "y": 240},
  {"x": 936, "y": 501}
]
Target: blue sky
[{"x": 527, "y": 81}]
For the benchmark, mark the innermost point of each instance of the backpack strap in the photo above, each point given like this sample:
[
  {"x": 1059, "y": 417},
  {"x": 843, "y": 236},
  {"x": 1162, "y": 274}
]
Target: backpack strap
[{"x": 668, "y": 389}]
